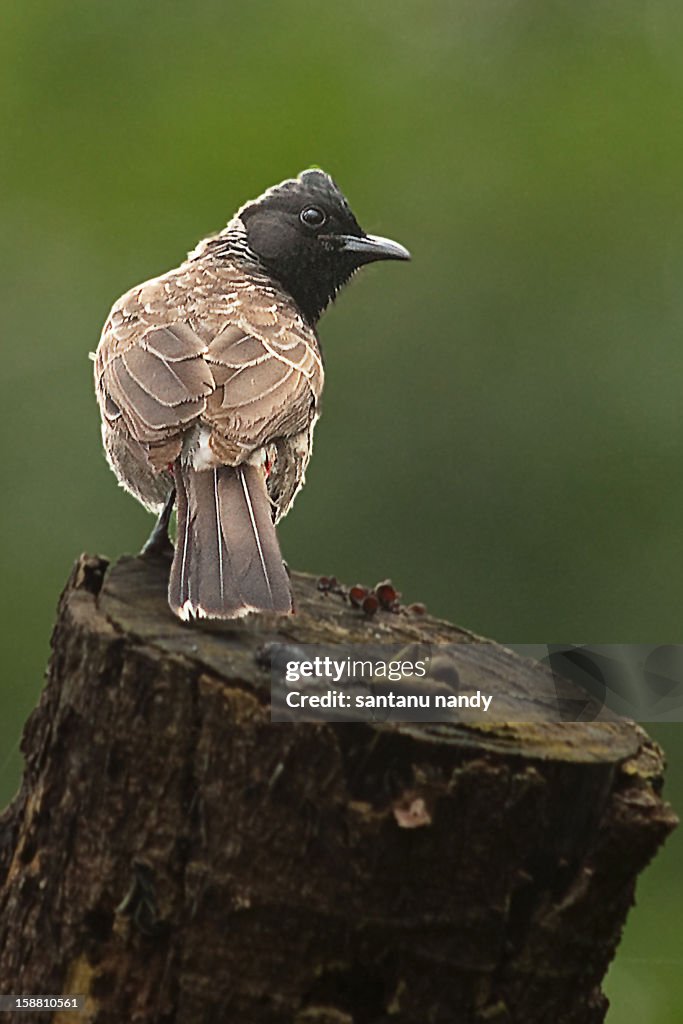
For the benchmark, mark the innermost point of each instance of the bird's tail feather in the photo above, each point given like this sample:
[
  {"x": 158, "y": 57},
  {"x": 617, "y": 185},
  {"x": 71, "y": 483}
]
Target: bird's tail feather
[{"x": 227, "y": 560}]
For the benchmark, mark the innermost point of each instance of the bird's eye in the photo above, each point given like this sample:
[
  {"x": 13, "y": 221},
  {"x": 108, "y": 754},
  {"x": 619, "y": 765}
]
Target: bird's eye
[{"x": 312, "y": 217}]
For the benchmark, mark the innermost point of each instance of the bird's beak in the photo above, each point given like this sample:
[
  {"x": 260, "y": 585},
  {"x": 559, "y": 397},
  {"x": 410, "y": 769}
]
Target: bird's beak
[{"x": 372, "y": 247}]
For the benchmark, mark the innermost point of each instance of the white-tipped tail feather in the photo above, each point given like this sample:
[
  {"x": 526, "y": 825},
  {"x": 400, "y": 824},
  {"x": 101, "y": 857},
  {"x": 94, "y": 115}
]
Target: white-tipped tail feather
[{"x": 227, "y": 561}]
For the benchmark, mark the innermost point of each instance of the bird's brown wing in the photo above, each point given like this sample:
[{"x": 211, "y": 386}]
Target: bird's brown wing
[
  {"x": 267, "y": 386},
  {"x": 252, "y": 381},
  {"x": 156, "y": 381}
]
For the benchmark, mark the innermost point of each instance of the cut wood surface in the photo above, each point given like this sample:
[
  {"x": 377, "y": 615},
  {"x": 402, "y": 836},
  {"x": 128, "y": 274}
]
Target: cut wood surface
[{"x": 174, "y": 856}]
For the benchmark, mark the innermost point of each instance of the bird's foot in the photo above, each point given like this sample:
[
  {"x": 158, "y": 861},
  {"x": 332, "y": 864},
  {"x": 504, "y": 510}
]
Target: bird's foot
[{"x": 158, "y": 544}]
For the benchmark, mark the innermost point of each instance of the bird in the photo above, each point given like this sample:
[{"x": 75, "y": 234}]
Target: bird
[{"x": 209, "y": 380}]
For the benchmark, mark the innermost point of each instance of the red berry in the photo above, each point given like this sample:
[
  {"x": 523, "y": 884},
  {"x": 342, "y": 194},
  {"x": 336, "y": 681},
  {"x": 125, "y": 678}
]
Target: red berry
[{"x": 388, "y": 594}]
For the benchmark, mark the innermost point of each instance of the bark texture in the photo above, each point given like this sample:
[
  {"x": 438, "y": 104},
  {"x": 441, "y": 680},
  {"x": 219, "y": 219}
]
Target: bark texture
[{"x": 176, "y": 857}]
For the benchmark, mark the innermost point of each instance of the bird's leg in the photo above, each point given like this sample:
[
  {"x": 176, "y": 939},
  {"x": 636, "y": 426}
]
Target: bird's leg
[{"x": 159, "y": 542}]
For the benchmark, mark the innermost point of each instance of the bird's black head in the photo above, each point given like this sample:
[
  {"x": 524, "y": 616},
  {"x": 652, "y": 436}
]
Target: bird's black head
[{"x": 304, "y": 233}]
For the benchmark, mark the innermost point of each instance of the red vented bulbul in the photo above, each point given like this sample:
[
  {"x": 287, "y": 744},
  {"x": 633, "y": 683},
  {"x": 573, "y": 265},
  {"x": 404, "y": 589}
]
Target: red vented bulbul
[{"x": 209, "y": 379}]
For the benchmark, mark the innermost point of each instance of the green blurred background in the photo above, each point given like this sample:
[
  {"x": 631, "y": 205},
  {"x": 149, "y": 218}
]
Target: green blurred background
[{"x": 502, "y": 428}]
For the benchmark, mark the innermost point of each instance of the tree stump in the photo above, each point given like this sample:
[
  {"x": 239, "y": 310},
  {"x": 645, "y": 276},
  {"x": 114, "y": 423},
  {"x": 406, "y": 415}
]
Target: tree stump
[{"x": 175, "y": 857}]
